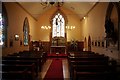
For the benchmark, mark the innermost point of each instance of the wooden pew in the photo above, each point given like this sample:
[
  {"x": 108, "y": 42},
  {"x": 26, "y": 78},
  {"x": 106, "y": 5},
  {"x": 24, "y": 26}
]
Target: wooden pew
[
  {"x": 92, "y": 72},
  {"x": 30, "y": 55},
  {"x": 21, "y": 62},
  {"x": 37, "y": 59},
  {"x": 81, "y": 52},
  {"x": 10, "y": 71},
  {"x": 92, "y": 76},
  {"x": 17, "y": 75},
  {"x": 88, "y": 58},
  {"x": 23, "y": 58},
  {"x": 86, "y": 62},
  {"x": 90, "y": 66}
]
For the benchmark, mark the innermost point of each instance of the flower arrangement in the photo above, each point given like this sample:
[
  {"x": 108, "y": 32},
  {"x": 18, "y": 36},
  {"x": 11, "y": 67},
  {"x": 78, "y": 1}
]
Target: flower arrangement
[{"x": 73, "y": 45}]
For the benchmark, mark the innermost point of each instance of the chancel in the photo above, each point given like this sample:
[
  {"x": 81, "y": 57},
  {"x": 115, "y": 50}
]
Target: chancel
[{"x": 60, "y": 40}]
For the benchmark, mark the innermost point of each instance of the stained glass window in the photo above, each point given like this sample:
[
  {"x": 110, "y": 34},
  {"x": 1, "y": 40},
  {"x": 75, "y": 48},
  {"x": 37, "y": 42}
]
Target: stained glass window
[
  {"x": 1, "y": 29},
  {"x": 26, "y": 31},
  {"x": 3, "y": 26},
  {"x": 58, "y": 29}
]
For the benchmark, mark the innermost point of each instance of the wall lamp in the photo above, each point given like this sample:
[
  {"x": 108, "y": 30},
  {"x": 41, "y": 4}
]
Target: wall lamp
[
  {"x": 45, "y": 27},
  {"x": 70, "y": 27}
]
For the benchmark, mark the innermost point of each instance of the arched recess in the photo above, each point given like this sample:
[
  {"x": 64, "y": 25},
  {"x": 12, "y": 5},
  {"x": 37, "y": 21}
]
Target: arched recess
[
  {"x": 4, "y": 26},
  {"x": 89, "y": 43},
  {"x": 115, "y": 37},
  {"x": 26, "y": 31},
  {"x": 56, "y": 18}
]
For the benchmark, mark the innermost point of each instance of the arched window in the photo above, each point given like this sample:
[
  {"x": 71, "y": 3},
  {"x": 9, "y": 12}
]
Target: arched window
[
  {"x": 3, "y": 27},
  {"x": 26, "y": 31},
  {"x": 58, "y": 26}
]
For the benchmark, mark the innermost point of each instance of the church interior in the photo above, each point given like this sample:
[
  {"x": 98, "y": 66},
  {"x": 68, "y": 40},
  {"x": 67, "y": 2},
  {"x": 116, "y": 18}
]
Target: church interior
[{"x": 60, "y": 40}]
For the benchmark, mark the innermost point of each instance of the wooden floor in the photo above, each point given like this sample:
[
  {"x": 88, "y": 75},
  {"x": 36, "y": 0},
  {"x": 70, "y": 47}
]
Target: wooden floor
[{"x": 47, "y": 65}]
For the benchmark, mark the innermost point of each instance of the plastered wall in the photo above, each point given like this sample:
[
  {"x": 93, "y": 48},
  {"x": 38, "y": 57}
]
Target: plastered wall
[
  {"x": 93, "y": 26},
  {"x": 16, "y": 16},
  {"x": 72, "y": 20}
]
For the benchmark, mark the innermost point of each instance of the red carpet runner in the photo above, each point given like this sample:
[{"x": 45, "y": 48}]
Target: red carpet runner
[{"x": 55, "y": 71}]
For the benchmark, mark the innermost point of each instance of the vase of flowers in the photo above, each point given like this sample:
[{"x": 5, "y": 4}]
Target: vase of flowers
[{"x": 73, "y": 45}]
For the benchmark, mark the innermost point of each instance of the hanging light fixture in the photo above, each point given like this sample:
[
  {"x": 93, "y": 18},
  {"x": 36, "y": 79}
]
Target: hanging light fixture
[{"x": 52, "y": 2}]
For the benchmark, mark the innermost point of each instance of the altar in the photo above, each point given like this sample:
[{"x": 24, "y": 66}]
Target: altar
[{"x": 58, "y": 49}]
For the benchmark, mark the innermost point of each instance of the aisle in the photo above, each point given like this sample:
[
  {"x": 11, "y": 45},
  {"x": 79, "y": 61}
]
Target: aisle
[{"x": 55, "y": 71}]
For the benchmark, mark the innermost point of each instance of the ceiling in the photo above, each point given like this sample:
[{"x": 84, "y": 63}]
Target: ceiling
[{"x": 36, "y": 9}]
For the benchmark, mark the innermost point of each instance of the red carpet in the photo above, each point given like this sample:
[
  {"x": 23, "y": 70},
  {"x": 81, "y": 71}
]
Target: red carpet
[{"x": 55, "y": 71}]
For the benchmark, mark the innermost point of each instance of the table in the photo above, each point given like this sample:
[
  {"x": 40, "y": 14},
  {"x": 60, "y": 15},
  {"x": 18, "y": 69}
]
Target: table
[{"x": 57, "y": 49}]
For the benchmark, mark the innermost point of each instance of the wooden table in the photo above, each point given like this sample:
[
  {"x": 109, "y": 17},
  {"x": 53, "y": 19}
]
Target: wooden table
[{"x": 57, "y": 49}]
